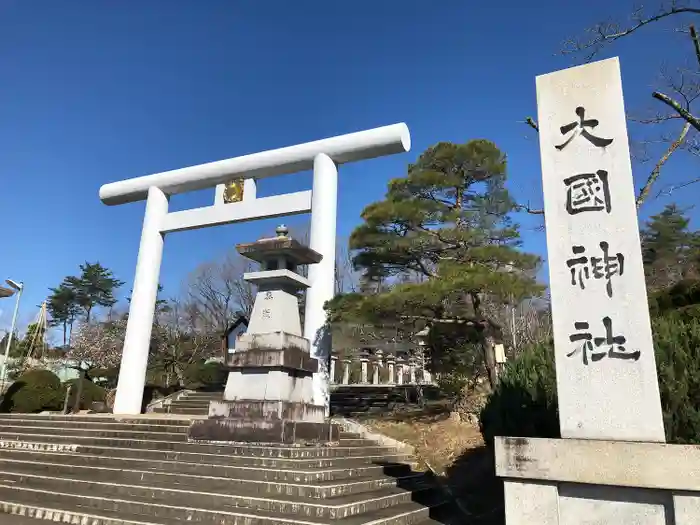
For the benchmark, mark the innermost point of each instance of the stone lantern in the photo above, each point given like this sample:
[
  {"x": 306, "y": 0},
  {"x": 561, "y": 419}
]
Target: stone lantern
[
  {"x": 422, "y": 340},
  {"x": 269, "y": 391}
]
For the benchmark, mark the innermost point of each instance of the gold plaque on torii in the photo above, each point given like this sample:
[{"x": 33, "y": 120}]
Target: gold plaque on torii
[{"x": 233, "y": 191}]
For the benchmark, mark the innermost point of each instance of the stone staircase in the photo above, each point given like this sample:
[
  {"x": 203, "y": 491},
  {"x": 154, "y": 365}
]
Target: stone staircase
[
  {"x": 99, "y": 470},
  {"x": 190, "y": 403},
  {"x": 346, "y": 400},
  {"x": 374, "y": 400}
]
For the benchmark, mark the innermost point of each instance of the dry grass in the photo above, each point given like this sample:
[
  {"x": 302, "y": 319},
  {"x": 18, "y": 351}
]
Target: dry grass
[
  {"x": 456, "y": 452},
  {"x": 439, "y": 441}
]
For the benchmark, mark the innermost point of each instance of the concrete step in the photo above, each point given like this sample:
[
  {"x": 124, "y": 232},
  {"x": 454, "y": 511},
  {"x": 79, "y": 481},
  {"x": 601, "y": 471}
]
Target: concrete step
[
  {"x": 98, "y": 418},
  {"x": 207, "y": 395},
  {"x": 97, "y": 433},
  {"x": 217, "y": 484},
  {"x": 282, "y": 474},
  {"x": 330, "y": 508},
  {"x": 149, "y": 442},
  {"x": 37, "y": 445},
  {"x": 143, "y": 471},
  {"x": 182, "y": 411},
  {"x": 143, "y": 431},
  {"x": 143, "y": 426},
  {"x": 88, "y": 509},
  {"x": 191, "y": 403}
]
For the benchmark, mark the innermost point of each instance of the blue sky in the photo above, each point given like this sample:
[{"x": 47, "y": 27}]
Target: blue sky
[{"x": 98, "y": 91}]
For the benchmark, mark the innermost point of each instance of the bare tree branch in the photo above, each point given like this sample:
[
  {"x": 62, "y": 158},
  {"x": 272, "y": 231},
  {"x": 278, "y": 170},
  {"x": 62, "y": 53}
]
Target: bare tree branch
[
  {"x": 644, "y": 192},
  {"x": 526, "y": 208},
  {"x": 696, "y": 42},
  {"x": 217, "y": 292},
  {"x": 687, "y": 88},
  {"x": 670, "y": 189},
  {"x": 531, "y": 122},
  {"x": 608, "y": 32},
  {"x": 687, "y": 115}
]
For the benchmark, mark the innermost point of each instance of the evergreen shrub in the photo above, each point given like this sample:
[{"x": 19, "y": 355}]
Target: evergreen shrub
[
  {"x": 34, "y": 391},
  {"x": 206, "y": 376},
  {"x": 90, "y": 393},
  {"x": 525, "y": 403}
]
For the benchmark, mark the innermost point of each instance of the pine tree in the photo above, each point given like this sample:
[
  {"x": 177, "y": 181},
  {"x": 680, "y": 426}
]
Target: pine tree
[
  {"x": 443, "y": 239},
  {"x": 94, "y": 287},
  {"x": 63, "y": 308},
  {"x": 669, "y": 249}
]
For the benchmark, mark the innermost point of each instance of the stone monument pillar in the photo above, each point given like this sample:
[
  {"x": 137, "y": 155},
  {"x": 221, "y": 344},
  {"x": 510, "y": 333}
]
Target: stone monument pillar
[
  {"x": 269, "y": 391},
  {"x": 612, "y": 465}
]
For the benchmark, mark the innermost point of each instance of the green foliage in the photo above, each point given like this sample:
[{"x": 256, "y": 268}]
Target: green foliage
[
  {"x": 32, "y": 341},
  {"x": 524, "y": 404},
  {"x": 94, "y": 287},
  {"x": 104, "y": 377},
  {"x": 162, "y": 305},
  {"x": 206, "y": 376},
  {"x": 677, "y": 344},
  {"x": 670, "y": 251},
  {"x": 683, "y": 297},
  {"x": 455, "y": 350},
  {"x": 451, "y": 386},
  {"x": 90, "y": 393},
  {"x": 34, "y": 391},
  {"x": 439, "y": 245},
  {"x": 447, "y": 224},
  {"x": 63, "y": 307}
]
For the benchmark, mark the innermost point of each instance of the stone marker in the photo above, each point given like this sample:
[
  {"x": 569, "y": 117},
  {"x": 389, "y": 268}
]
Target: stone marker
[
  {"x": 269, "y": 392},
  {"x": 600, "y": 473},
  {"x": 606, "y": 371}
]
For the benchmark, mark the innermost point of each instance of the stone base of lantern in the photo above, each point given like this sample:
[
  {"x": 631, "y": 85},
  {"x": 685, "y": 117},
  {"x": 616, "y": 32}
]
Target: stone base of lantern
[
  {"x": 264, "y": 431},
  {"x": 268, "y": 396}
]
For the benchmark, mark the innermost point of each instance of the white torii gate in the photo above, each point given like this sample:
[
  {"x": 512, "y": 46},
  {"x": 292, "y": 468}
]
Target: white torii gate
[{"x": 322, "y": 155}]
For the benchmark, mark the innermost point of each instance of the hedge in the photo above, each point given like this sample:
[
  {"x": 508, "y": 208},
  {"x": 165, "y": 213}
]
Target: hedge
[{"x": 525, "y": 404}]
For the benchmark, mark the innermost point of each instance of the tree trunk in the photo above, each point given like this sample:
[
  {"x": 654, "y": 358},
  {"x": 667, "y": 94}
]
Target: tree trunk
[
  {"x": 488, "y": 342},
  {"x": 489, "y": 347},
  {"x": 79, "y": 392},
  {"x": 65, "y": 333},
  {"x": 180, "y": 376}
]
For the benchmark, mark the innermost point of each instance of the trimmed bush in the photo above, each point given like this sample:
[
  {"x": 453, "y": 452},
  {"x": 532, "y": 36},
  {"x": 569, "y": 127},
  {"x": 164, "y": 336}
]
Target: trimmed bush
[
  {"x": 90, "y": 393},
  {"x": 677, "y": 344},
  {"x": 525, "y": 403},
  {"x": 206, "y": 376},
  {"x": 34, "y": 391}
]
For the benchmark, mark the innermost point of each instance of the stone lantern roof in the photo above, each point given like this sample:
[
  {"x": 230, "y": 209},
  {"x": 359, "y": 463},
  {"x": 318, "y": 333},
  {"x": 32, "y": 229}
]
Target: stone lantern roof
[{"x": 280, "y": 246}]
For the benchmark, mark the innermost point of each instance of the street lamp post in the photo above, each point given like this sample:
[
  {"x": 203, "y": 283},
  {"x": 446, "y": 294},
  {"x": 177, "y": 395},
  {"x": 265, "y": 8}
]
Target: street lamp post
[{"x": 18, "y": 287}]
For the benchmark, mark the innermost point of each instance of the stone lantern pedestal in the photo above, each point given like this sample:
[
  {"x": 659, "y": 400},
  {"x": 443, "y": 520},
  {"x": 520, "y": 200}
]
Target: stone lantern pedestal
[{"x": 269, "y": 391}]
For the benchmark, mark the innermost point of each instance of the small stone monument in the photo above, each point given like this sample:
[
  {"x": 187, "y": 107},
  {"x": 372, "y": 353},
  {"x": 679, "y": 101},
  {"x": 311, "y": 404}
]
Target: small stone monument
[{"x": 269, "y": 391}]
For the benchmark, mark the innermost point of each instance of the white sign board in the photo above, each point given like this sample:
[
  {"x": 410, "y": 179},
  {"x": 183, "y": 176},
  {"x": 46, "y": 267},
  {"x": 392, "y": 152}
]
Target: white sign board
[{"x": 606, "y": 370}]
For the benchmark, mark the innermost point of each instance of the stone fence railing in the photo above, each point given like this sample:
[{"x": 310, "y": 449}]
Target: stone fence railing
[{"x": 378, "y": 369}]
